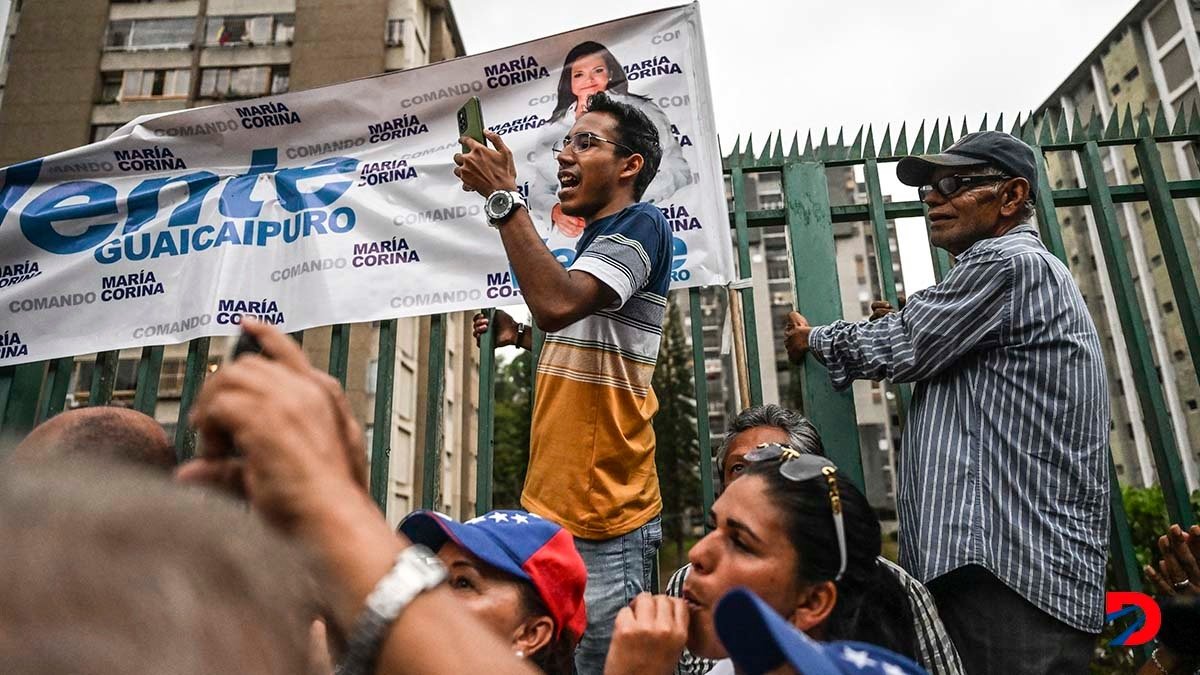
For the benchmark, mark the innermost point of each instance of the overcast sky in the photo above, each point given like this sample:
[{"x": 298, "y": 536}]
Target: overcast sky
[{"x": 806, "y": 64}]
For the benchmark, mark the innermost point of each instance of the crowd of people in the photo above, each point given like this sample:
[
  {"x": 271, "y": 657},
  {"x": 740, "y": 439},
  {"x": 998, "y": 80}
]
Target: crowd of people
[{"x": 117, "y": 561}]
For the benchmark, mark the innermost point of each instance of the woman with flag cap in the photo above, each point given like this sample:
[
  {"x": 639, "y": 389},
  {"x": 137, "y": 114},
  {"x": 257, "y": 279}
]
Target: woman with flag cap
[{"x": 517, "y": 573}]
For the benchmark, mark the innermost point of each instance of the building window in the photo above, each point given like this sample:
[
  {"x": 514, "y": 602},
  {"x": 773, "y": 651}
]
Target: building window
[
  {"x": 1132, "y": 74},
  {"x": 1192, "y": 405},
  {"x": 394, "y": 35},
  {"x": 110, "y": 87},
  {"x": 1164, "y": 23},
  {"x": 150, "y": 34},
  {"x": 243, "y": 82},
  {"x": 103, "y": 131},
  {"x": 1129, "y": 430},
  {"x": 1168, "y": 307},
  {"x": 1156, "y": 260},
  {"x": 1177, "y": 67},
  {"x": 142, "y": 84},
  {"x": 249, "y": 31},
  {"x": 372, "y": 375},
  {"x": 1179, "y": 355}
]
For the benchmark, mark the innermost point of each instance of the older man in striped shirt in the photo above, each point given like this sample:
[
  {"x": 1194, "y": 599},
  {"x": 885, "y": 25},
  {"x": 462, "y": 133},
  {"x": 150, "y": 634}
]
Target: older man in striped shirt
[{"x": 1003, "y": 477}]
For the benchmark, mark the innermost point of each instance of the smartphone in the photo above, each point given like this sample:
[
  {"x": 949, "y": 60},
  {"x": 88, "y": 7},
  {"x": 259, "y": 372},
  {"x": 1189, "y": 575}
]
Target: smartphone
[
  {"x": 470, "y": 122},
  {"x": 246, "y": 344}
]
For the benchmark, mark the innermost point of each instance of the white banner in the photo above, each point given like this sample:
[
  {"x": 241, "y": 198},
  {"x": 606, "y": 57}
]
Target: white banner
[{"x": 338, "y": 204}]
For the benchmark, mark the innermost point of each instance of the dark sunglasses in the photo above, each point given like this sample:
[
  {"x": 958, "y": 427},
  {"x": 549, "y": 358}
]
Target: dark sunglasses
[
  {"x": 950, "y": 185},
  {"x": 584, "y": 140},
  {"x": 800, "y": 466}
]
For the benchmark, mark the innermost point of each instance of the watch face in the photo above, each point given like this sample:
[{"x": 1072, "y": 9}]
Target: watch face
[{"x": 499, "y": 204}]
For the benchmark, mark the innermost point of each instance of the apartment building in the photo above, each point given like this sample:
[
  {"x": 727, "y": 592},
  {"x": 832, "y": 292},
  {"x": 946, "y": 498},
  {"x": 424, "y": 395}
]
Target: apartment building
[
  {"x": 76, "y": 71},
  {"x": 1151, "y": 58}
]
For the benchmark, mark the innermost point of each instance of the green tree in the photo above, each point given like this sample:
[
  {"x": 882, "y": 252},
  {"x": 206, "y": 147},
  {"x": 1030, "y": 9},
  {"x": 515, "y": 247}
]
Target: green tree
[
  {"x": 677, "y": 454},
  {"x": 514, "y": 412}
]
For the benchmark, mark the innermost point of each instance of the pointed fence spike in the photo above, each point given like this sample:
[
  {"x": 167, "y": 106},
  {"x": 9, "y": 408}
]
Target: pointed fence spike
[
  {"x": 1048, "y": 124},
  {"x": 1113, "y": 130},
  {"x": 935, "y": 138},
  {"x": 764, "y": 152},
  {"x": 1061, "y": 133},
  {"x": 838, "y": 150},
  {"x": 1143, "y": 123},
  {"x": 901, "y": 141},
  {"x": 748, "y": 154},
  {"x": 983, "y": 126},
  {"x": 1193, "y": 120},
  {"x": 948, "y": 138},
  {"x": 885, "y": 146},
  {"x": 1095, "y": 126},
  {"x": 794, "y": 153},
  {"x": 1077, "y": 130},
  {"x": 1127, "y": 126},
  {"x": 868, "y": 151},
  {"x": 964, "y": 131},
  {"x": 777, "y": 151},
  {"x": 855, "y": 151},
  {"x": 1181, "y": 123},
  {"x": 1160, "y": 122},
  {"x": 823, "y": 149},
  {"x": 1026, "y": 129},
  {"x": 735, "y": 155},
  {"x": 1016, "y": 127},
  {"x": 808, "y": 147},
  {"x": 918, "y": 147},
  {"x": 999, "y": 123}
]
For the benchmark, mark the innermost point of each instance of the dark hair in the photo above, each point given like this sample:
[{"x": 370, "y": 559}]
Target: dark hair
[
  {"x": 802, "y": 435},
  {"x": 635, "y": 130},
  {"x": 616, "y": 75},
  {"x": 100, "y": 432},
  {"x": 871, "y": 606},
  {"x": 557, "y": 657}
]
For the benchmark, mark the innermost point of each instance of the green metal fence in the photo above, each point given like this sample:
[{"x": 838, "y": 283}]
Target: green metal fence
[{"x": 33, "y": 392}]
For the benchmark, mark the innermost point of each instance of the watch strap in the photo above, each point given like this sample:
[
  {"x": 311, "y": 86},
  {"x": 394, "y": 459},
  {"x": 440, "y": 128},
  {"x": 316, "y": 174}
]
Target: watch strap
[{"x": 416, "y": 570}]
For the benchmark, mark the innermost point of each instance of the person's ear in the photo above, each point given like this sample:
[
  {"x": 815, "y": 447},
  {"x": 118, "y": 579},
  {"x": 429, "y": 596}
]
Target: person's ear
[
  {"x": 632, "y": 166},
  {"x": 1013, "y": 197},
  {"x": 533, "y": 635},
  {"x": 814, "y": 606}
]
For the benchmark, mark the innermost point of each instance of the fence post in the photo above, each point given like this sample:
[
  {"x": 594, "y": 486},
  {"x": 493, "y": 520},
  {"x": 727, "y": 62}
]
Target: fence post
[
  {"x": 19, "y": 388},
  {"x": 58, "y": 379},
  {"x": 193, "y": 378},
  {"x": 149, "y": 369},
  {"x": 750, "y": 323},
  {"x": 818, "y": 298},
  {"x": 434, "y": 404},
  {"x": 883, "y": 256},
  {"x": 487, "y": 418},
  {"x": 381, "y": 437},
  {"x": 1150, "y": 395},
  {"x": 701, "y": 388}
]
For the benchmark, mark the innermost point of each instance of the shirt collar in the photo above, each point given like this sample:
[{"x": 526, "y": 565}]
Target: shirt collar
[{"x": 1023, "y": 228}]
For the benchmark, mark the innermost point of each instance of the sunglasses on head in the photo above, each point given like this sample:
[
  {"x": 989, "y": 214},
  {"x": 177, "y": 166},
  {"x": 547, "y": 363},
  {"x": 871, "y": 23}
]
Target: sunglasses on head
[
  {"x": 800, "y": 466},
  {"x": 584, "y": 140},
  {"x": 950, "y": 185}
]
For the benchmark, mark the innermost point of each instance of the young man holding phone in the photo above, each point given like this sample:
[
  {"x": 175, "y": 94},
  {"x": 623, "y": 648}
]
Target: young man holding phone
[{"x": 591, "y": 458}]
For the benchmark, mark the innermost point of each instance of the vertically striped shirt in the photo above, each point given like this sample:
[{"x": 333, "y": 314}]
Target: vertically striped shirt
[
  {"x": 1004, "y": 454},
  {"x": 591, "y": 454}
]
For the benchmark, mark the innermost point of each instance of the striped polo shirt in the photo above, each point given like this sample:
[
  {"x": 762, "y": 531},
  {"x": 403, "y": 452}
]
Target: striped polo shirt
[
  {"x": 1004, "y": 458},
  {"x": 591, "y": 455}
]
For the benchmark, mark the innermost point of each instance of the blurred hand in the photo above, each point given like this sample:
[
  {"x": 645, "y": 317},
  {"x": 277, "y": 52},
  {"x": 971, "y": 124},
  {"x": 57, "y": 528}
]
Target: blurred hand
[
  {"x": 301, "y": 447},
  {"x": 506, "y": 328},
  {"x": 483, "y": 169},
  {"x": 1178, "y": 572},
  {"x": 648, "y": 636},
  {"x": 795, "y": 333},
  {"x": 880, "y": 309}
]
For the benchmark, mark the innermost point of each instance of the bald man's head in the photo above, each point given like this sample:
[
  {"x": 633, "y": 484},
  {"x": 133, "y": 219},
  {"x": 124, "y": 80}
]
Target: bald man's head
[{"x": 100, "y": 432}]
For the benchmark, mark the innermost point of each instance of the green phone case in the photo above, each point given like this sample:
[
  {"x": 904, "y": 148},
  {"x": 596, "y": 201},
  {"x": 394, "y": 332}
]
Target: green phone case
[{"x": 470, "y": 121}]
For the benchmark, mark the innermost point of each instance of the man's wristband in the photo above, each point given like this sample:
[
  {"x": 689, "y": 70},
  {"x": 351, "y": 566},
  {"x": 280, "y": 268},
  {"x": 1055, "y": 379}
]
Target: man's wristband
[{"x": 416, "y": 570}]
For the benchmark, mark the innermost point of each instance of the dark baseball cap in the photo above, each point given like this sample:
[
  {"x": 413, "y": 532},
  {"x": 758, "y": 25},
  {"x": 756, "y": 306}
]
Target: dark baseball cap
[{"x": 995, "y": 148}]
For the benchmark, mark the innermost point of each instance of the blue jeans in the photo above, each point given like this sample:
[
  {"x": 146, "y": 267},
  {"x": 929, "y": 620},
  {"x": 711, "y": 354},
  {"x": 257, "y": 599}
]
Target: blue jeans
[{"x": 618, "y": 569}]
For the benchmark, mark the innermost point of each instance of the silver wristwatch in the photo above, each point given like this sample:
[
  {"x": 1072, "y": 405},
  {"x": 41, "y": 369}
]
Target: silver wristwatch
[
  {"x": 501, "y": 204},
  {"x": 416, "y": 570}
]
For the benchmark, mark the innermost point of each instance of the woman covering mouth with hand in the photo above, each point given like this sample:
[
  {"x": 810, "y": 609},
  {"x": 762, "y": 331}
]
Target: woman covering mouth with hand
[{"x": 802, "y": 538}]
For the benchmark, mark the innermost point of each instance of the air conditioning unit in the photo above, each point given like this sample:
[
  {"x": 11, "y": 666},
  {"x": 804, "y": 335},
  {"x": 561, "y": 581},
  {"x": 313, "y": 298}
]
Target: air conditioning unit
[{"x": 394, "y": 36}]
